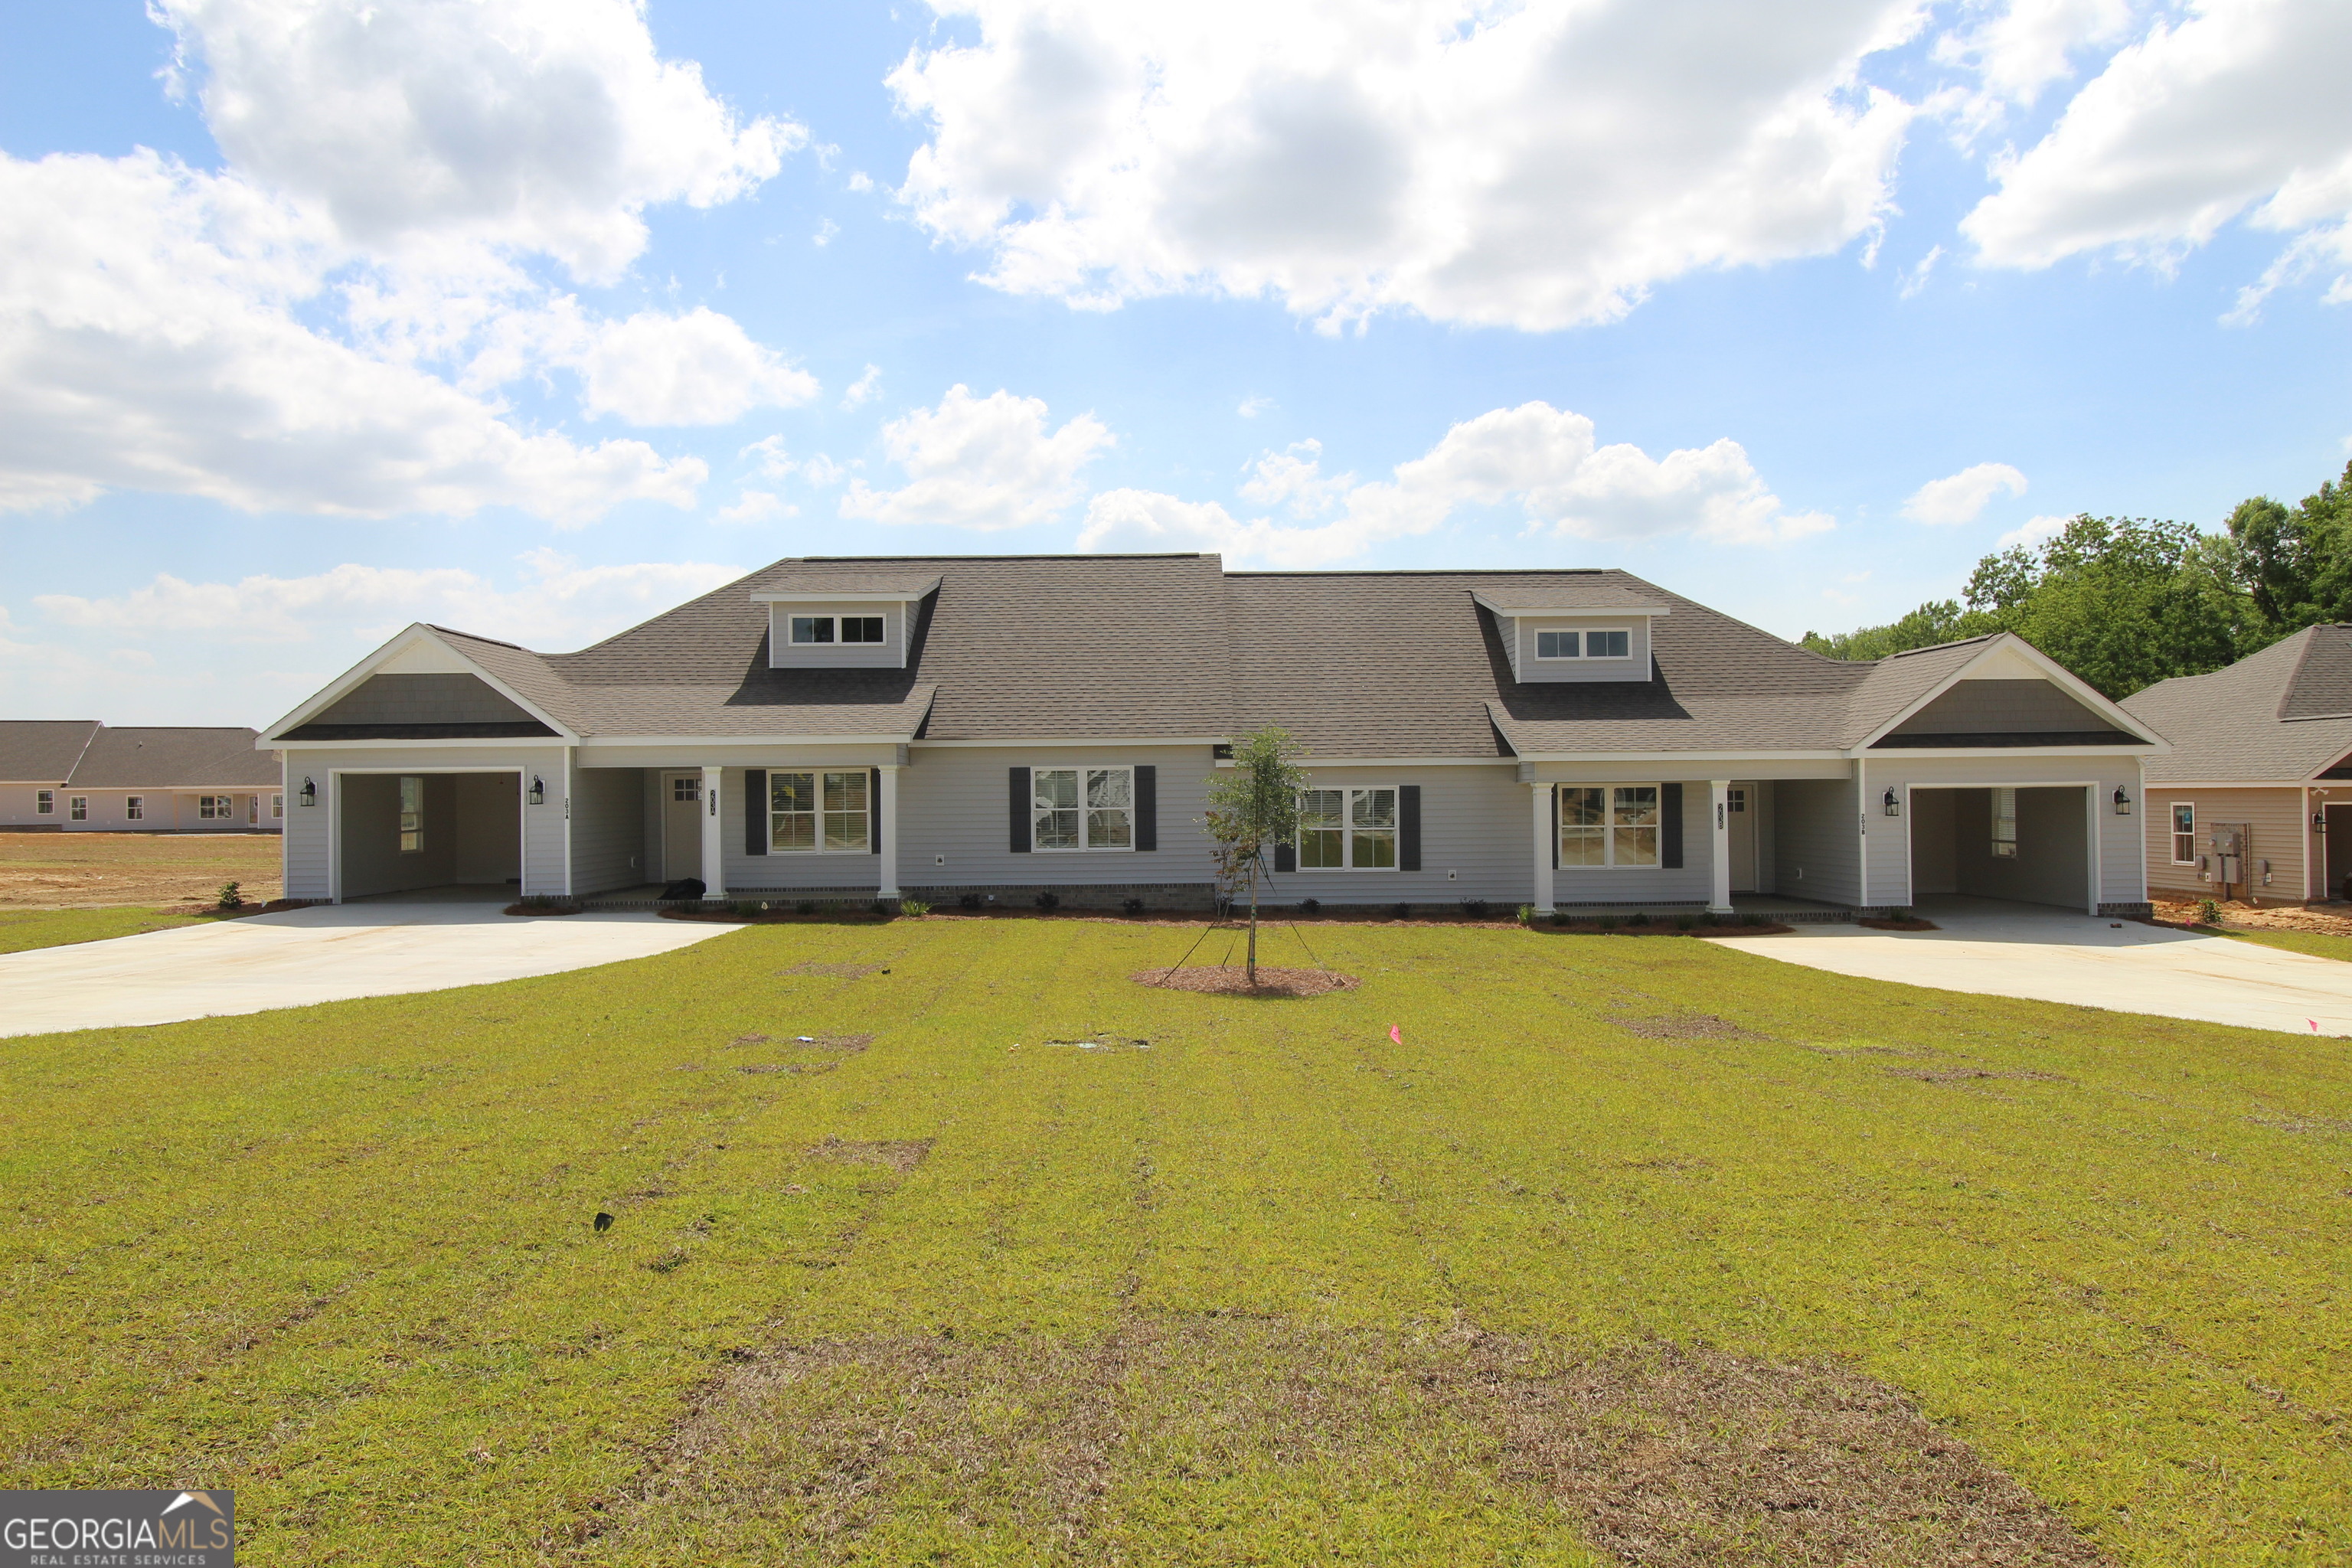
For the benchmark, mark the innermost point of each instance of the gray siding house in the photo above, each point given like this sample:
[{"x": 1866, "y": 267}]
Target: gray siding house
[
  {"x": 1001, "y": 727},
  {"x": 79, "y": 775}
]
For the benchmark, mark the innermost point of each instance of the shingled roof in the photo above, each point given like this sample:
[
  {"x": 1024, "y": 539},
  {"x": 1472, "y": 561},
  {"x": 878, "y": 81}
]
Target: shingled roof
[
  {"x": 1357, "y": 664},
  {"x": 144, "y": 757},
  {"x": 2279, "y": 716},
  {"x": 42, "y": 751}
]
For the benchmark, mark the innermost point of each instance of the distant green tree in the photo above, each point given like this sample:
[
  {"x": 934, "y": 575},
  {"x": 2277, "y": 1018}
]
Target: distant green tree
[
  {"x": 2296, "y": 565},
  {"x": 1940, "y": 621}
]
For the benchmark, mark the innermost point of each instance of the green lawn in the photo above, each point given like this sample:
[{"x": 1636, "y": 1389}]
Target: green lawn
[
  {"x": 22, "y": 929},
  {"x": 2319, "y": 944},
  {"x": 1272, "y": 1289}
]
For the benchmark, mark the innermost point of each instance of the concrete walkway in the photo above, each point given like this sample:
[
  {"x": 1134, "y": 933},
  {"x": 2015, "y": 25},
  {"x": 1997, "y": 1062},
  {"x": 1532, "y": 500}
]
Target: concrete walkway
[
  {"x": 1998, "y": 949},
  {"x": 301, "y": 956}
]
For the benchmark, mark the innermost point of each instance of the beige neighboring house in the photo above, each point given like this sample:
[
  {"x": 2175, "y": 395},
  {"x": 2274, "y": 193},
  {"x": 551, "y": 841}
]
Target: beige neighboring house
[
  {"x": 79, "y": 775},
  {"x": 2254, "y": 801}
]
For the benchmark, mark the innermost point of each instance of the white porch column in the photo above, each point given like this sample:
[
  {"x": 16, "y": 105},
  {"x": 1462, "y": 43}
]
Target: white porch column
[
  {"x": 890, "y": 829},
  {"x": 1541, "y": 795},
  {"x": 1718, "y": 841},
  {"x": 714, "y": 836}
]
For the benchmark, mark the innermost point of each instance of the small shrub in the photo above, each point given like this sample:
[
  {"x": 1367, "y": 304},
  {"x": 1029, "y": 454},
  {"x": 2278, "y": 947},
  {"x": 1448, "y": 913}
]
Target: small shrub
[
  {"x": 1403, "y": 911},
  {"x": 913, "y": 909},
  {"x": 1684, "y": 922},
  {"x": 806, "y": 907},
  {"x": 1559, "y": 917},
  {"x": 1711, "y": 917},
  {"x": 1132, "y": 906},
  {"x": 2209, "y": 911},
  {"x": 747, "y": 906},
  {"x": 1751, "y": 919},
  {"x": 1309, "y": 906},
  {"x": 1474, "y": 909},
  {"x": 880, "y": 906},
  {"x": 968, "y": 900},
  {"x": 1641, "y": 918},
  {"x": 230, "y": 897},
  {"x": 1527, "y": 914},
  {"x": 1048, "y": 901},
  {"x": 1608, "y": 923}
]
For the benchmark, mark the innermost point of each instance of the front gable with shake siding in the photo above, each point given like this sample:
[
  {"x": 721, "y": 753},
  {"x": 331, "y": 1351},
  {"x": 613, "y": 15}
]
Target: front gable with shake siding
[{"x": 993, "y": 729}]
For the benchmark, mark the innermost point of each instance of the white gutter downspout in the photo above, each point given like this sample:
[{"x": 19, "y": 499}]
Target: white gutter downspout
[
  {"x": 1862, "y": 835},
  {"x": 567, "y": 821}
]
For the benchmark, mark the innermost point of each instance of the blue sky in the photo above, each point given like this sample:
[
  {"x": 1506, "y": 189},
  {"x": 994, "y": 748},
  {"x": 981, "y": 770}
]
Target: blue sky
[{"x": 536, "y": 319}]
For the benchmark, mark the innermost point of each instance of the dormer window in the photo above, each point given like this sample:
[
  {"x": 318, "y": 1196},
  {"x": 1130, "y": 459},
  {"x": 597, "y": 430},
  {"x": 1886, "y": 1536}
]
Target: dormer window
[
  {"x": 1608, "y": 643},
  {"x": 838, "y": 629}
]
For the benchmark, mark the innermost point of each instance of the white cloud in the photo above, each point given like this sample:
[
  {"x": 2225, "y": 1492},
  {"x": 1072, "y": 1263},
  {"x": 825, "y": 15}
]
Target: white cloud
[
  {"x": 537, "y": 125},
  {"x": 1958, "y": 497},
  {"x": 149, "y": 340},
  {"x": 2017, "y": 50},
  {"x": 756, "y": 507},
  {"x": 1531, "y": 165},
  {"x": 1251, "y": 408},
  {"x": 1535, "y": 457},
  {"x": 2032, "y": 531},
  {"x": 563, "y": 604},
  {"x": 695, "y": 369},
  {"x": 864, "y": 389},
  {"x": 980, "y": 462},
  {"x": 2223, "y": 109},
  {"x": 1296, "y": 476},
  {"x": 1917, "y": 279}
]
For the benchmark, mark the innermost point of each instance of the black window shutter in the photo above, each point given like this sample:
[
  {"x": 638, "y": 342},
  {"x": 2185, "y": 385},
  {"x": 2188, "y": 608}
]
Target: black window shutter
[
  {"x": 1147, "y": 807},
  {"x": 755, "y": 811},
  {"x": 1020, "y": 798},
  {"x": 1670, "y": 826},
  {"x": 874, "y": 810},
  {"x": 1285, "y": 856},
  {"x": 1408, "y": 827}
]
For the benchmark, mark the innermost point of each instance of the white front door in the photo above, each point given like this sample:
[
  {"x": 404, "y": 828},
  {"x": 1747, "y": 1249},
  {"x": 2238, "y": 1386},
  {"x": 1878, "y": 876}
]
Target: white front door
[
  {"x": 1740, "y": 804},
  {"x": 681, "y": 825}
]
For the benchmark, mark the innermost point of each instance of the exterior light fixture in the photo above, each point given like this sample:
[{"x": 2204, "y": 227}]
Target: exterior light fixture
[
  {"x": 308, "y": 795},
  {"x": 537, "y": 790},
  {"x": 1894, "y": 806},
  {"x": 2319, "y": 822},
  {"x": 2123, "y": 802}
]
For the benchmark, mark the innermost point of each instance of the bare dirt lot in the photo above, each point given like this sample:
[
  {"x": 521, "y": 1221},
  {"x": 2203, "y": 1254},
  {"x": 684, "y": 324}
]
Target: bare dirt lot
[
  {"x": 2326, "y": 920},
  {"x": 88, "y": 870}
]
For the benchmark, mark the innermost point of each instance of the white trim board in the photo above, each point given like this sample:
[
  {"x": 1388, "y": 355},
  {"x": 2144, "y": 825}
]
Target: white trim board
[
  {"x": 2005, "y": 647},
  {"x": 271, "y": 738}
]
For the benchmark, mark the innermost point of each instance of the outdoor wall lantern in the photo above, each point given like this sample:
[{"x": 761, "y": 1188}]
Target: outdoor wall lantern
[
  {"x": 1894, "y": 806},
  {"x": 2319, "y": 822},
  {"x": 310, "y": 792},
  {"x": 2123, "y": 802},
  {"x": 537, "y": 790}
]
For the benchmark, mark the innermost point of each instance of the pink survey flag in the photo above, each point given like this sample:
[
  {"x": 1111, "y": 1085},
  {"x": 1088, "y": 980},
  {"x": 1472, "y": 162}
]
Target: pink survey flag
[{"x": 1397, "y": 1034}]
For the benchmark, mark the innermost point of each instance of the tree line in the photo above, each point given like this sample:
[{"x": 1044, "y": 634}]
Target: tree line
[{"x": 2126, "y": 602}]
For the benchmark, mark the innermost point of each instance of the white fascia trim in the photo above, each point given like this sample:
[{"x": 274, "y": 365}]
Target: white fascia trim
[
  {"x": 766, "y": 597},
  {"x": 462, "y": 742},
  {"x": 1023, "y": 743},
  {"x": 1546, "y": 610},
  {"x": 2252, "y": 783},
  {"x": 2007, "y": 754},
  {"x": 1311, "y": 762},
  {"x": 270, "y": 738},
  {"x": 2059, "y": 675},
  {"x": 594, "y": 742},
  {"x": 1678, "y": 759}
]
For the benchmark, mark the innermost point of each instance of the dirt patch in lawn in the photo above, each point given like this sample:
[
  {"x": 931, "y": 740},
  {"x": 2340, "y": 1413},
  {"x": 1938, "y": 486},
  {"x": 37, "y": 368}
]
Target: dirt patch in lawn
[
  {"x": 901, "y": 1156},
  {"x": 94, "y": 870},
  {"x": 1967, "y": 1075},
  {"x": 837, "y": 971},
  {"x": 1233, "y": 980},
  {"x": 1689, "y": 1026},
  {"x": 1661, "y": 1455},
  {"x": 842, "y": 1044}
]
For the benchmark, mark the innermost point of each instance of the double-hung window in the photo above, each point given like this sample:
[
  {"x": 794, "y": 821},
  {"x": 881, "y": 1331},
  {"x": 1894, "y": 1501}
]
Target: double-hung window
[
  {"x": 2004, "y": 822},
  {"x": 1609, "y": 824},
  {"x": 836, "y": 629},
  {"x": 1082, "y": 808},
  {"x": 2184, "y": 834},
  {"x": 1348, "y": 829},
  {"x": 77, "y": 807},
  {"x": 221, "y": 808},
  {"x": 276, "y": 806},
  {"x": 412, "y": 815},
  {"x": 819, "y": 811},
  {"x": 1609, "y": 643},
  {"x": 44, "y": 803},
  {"x": 134, "y": 808}
]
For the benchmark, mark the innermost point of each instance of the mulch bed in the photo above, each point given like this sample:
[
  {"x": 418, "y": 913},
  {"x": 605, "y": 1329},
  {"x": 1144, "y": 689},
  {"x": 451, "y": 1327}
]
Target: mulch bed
[
  {"x": 844, "y": 915},
  {"x": 216, "y": 912},
  {"x": 1664, "y": 1456},
  {"x": 1662, "y": 928},
  {"x": 1899, "y": 925},
  {"x": 1232, "y": 980},
  {"x": 544, "y": 910}
]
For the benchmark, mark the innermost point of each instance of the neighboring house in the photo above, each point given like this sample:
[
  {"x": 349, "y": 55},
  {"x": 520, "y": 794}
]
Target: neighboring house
[
  {"x": 81, "y": 775},
  {"x": 1006, "y": 726},
  {"x": 2254, "y": 802}
]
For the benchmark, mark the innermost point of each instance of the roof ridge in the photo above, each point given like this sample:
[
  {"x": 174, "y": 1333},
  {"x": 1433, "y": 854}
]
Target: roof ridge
[
  {"x": 1939, "y": 646},
  {"x": 475, "y": 637}
]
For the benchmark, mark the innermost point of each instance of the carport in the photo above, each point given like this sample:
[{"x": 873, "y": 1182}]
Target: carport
[
  {"x": 2027, "y": 844},
  {"x": 457, "y": 829}
]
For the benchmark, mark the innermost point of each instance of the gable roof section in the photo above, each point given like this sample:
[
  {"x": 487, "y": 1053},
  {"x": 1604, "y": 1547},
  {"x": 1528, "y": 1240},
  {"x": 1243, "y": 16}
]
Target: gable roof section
[
  {"x": 42, "y": 751},
  {"x": 1909, "y": 686},
  {"x": 138, "y": 757},
  {"x": 2273, "y": 717}
]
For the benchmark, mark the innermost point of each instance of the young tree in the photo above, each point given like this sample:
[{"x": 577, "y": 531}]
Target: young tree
[{"x": 1252, "y": 804}]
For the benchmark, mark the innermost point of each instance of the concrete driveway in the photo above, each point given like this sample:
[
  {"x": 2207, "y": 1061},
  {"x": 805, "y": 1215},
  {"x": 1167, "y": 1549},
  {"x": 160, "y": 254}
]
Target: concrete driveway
[
  {"x": 2055, "y": 955},
  {"x": 302, "y": 956}
]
